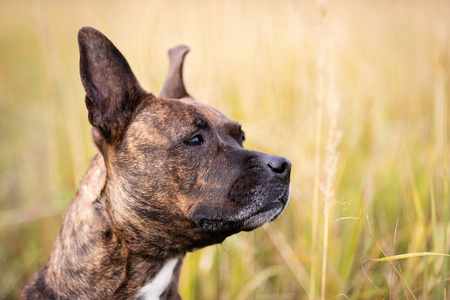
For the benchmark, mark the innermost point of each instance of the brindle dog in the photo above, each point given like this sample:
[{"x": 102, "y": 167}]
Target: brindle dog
[{"x": 172, "y": 176}]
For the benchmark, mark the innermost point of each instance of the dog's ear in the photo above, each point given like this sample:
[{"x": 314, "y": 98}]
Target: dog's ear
[
  {"x": 112, "y": 91},
  {"x": 173, "y": 86}
]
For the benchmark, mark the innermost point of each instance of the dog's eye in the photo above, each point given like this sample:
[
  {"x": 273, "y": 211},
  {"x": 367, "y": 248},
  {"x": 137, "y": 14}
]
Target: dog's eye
[
  {"x": 195, "y": 141},
  {"x": 242, "y": 136}
]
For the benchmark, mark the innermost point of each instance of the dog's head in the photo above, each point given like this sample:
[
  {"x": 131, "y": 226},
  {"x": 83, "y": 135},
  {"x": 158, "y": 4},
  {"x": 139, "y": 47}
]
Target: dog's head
[{"x": 178, "y": 177}]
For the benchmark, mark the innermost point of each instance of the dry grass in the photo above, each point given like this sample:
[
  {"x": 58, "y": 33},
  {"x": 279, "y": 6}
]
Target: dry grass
[{"x": 258, "y": 62}]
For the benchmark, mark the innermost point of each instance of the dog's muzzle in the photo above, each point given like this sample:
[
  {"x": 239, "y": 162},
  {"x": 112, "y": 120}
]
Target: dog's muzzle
[{"x": 261, "y": 193}]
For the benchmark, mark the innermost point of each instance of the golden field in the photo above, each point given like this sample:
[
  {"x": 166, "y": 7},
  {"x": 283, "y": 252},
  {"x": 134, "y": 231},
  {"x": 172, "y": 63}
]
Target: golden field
[{"x": 355, "y": 93}]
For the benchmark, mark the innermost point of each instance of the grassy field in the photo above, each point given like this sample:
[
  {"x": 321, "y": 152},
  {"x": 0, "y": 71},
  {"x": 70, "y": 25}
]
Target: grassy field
[{"x": 355, "y": 93}]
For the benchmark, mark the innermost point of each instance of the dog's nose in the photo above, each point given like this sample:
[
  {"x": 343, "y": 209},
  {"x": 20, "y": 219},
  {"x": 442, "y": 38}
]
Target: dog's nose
[{"x": 280, "y": 166}]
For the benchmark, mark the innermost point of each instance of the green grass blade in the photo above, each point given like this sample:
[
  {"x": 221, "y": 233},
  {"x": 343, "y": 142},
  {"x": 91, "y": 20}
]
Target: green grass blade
[{"x": 407, "y": 255}]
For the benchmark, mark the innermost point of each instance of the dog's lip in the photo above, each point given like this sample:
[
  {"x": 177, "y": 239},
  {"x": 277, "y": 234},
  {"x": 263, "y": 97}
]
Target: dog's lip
[
  {"x": 284, "y": 197},
  {"x": 267, "y": 213}
]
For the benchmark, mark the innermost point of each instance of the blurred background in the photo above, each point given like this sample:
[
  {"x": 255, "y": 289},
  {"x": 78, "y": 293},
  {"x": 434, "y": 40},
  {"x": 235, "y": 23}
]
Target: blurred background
[{"x": 354, "y": 93}]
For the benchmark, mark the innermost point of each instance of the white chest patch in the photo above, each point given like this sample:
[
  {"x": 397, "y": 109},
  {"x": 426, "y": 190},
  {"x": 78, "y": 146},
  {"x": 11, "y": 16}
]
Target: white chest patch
[{"x": 157, "y": 286}]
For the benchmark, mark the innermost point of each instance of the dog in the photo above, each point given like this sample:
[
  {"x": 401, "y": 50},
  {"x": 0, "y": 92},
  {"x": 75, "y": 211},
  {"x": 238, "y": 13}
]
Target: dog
[{"x": 171, "y": 176}]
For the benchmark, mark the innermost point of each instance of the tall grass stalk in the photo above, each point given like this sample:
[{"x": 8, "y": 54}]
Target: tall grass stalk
[
  {"x": 316, "y": 187},
  {"x": 321, "y": 94},
  {"x": 393, "y": 247},
  {"x": 327, "y": 95},
  {"x": 446, "y": 220},
  {"x": 331, "y": 160},
  {"x": 441, "y": 123}
]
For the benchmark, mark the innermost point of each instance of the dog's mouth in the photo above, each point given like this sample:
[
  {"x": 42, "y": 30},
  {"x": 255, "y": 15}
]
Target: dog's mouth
[{"x": 246, "y": 220}]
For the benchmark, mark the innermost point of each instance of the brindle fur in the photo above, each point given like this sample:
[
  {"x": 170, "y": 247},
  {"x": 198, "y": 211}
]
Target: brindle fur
[{"x": 150, "y": 194}]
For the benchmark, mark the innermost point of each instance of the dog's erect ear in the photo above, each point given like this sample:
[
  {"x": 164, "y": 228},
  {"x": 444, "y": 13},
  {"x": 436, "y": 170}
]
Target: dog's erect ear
[
  {"x": 174, "y": 86},
  {"x": 112, "y": 91}
]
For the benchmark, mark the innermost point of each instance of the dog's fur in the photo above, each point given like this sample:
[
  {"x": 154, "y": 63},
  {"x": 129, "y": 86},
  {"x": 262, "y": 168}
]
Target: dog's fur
[{"x": 171, "y": 177}]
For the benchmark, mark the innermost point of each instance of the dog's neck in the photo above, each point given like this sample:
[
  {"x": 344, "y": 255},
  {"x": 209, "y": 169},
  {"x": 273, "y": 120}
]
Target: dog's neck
[{"x": 95, "y": 262}]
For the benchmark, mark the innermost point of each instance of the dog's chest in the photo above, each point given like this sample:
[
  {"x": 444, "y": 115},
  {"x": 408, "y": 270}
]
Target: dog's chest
[{"x": 154, "y": 289}]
